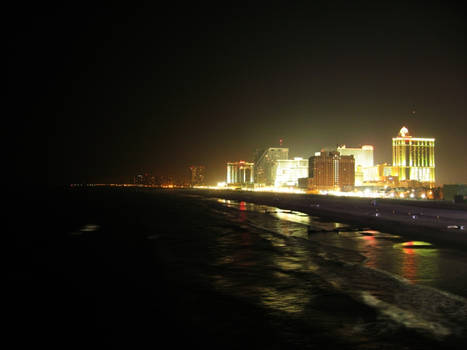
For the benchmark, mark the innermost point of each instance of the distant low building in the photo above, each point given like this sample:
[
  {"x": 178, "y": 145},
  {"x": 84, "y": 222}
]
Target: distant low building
[
  {"x": 288, "y": 171},
  {"x": 456, "y": 192},
  {"x": 145, "y": 179},
  {"x": 377, "y": 173},
  {"x": 303, "y": 183},
  {"x": 240, "y": 173},
  {"x": 197, "y": 175}
]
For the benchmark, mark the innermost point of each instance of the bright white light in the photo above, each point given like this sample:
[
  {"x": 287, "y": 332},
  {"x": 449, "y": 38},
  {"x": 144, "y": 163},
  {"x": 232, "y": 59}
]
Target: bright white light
[
  {"x": 367, "y": 193},
  {"x": 404, "y": 131}
]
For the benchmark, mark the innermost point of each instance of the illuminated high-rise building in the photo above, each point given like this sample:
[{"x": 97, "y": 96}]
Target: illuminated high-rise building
[
  {"x": 197, "y": 175},
  {"x": 363, "y": 155},
  {"x": 264, "y": 164},
  {"x": 363, "y": 161},
  {"x": 239, "y": 173},
  {"x": 413, "y": 158},
  {"x": 288, "y": 171},
  {"x": 331, "y": 171}
]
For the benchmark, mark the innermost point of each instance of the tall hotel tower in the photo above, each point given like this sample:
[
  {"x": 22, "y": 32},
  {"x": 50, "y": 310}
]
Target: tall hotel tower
[
  {"x": 331, "y": 171},
  {"x": 413, "y": 158}
]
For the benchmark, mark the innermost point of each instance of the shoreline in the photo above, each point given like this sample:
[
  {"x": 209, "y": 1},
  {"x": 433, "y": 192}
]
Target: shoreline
[{"x": 418, "y": 222}]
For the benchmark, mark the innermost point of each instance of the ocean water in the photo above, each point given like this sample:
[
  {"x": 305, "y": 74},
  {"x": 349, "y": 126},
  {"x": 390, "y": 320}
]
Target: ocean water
[{"x": 142, "y": 267}]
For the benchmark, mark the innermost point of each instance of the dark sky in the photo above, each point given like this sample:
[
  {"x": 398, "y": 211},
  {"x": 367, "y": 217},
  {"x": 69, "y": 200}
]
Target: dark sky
[{"x": 120, "y": 89}]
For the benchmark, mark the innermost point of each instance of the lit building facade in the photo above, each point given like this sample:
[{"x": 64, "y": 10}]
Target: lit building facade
[
  {"x": 197, "y": 175},
  {"x": 331, "y": 171},
  {"x": 378, "y": 173},
  {"x": 413, "y": 158},
  {"x": 288, "y": 171},
  {"x": 363, "y": 155},
  {"x": 364, "y": 161},
  {"x": 240, "y": 173},
  {"x": 265, "y": 164}
]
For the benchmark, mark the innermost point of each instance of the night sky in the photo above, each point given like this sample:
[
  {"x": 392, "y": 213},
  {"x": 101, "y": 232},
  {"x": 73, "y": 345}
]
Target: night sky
[{"x": 146, "y": 87}]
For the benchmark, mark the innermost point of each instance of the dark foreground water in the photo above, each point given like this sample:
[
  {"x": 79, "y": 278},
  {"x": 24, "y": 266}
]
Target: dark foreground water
[{"x": 114, "y": 267}]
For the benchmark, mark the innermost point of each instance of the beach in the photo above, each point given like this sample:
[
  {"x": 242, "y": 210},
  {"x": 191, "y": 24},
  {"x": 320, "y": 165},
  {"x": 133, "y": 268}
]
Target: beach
[{"x": 117, "y": 267}]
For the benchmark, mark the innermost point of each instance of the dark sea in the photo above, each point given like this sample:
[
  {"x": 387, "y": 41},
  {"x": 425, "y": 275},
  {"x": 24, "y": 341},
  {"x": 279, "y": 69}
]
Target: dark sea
[{"x": 142, "y": 268}]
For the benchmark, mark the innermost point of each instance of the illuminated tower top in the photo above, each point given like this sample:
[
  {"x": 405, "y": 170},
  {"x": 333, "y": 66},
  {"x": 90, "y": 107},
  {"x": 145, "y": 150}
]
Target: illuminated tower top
[
  {"x": 404, "y": 135},
  {"x": 404, "y": 132}
]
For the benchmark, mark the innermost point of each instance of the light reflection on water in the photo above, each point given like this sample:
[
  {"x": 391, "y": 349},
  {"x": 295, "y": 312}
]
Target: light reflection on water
[
  {"x": 419, "y": 261},
  {"x": 292, "y": 216},
  {"x": 273, "y": 259},
  {"x": 290, "y": 300},
  {"x": 418, "y": 265},
  {"x": 270, "y": 274}
]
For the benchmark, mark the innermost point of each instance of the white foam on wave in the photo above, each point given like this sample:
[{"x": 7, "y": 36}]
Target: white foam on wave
[
  {"x": 89, "y": 228},
  {"x": 415, "y": 306},
  {"x": 405, "y": 317},
  {"x": 85, "y": 228}
]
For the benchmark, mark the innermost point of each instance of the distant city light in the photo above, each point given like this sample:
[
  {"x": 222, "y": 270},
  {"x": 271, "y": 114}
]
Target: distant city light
[{"x": 366, "y": 193}]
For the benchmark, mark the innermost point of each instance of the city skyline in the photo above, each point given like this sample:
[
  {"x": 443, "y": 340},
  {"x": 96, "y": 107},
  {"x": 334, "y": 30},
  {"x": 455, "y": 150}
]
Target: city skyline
[
  {"x": 365, "y": 167},
  {"x": 338, "y": 147},
  {"x": 160, "y": 88},
  {"x": 364, "y": 156}
]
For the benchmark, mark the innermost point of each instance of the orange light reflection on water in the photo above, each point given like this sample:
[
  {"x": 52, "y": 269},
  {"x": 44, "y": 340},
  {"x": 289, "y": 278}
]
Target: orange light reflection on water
[
  {"x": 370, "y": 239},
  {"x": 372, "y": 258},
  {"x": 243, "y": 206},
  {"x": 409, "y": 265},
  {"x": 420, "y": 261}
]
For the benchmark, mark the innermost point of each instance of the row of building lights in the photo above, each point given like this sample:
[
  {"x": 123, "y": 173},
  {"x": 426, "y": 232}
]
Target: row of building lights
[{"x": 343, "y": 171}]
